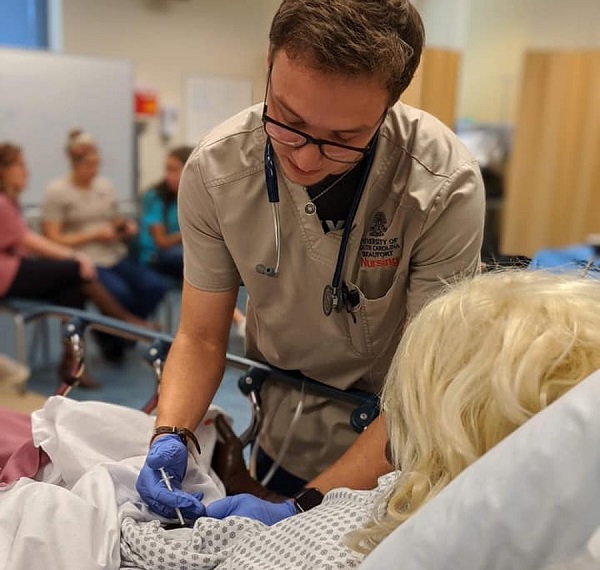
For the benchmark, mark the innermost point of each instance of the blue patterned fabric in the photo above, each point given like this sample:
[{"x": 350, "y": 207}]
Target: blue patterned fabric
[{"x": 577, "y": 258}]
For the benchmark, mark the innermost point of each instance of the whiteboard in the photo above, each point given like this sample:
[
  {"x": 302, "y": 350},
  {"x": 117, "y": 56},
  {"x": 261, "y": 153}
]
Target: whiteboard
[
  {"x": 44, "y": 95},
  {"x": 210, "y": 100}
]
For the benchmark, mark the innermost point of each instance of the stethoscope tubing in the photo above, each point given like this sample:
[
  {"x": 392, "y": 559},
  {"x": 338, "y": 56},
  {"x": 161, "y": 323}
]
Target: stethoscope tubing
[
  {"x": 339, "y": 265},
  {"x": 331, "y": 290}
]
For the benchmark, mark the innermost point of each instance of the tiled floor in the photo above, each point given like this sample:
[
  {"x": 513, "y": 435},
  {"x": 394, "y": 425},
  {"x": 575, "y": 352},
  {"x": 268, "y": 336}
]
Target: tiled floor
[{"x": 130, "y": 384}]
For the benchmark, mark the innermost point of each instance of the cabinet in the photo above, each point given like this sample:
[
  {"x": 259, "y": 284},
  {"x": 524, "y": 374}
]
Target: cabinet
[
  {"x": 552, "y": 194},
  {"x": 435, "y": 84}
]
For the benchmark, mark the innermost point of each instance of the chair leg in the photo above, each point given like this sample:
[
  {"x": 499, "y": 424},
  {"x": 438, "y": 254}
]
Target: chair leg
[
  {"x": 169, "y": 313},
  {"x": 45, "y": 333},
  {"x": 20, "y": 338},
  {"x": 168, "y": 309},
  {"x": 40, "y": 342}
]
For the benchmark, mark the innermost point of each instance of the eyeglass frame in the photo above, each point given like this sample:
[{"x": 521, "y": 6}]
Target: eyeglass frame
[{"x": 308, "y": 139}]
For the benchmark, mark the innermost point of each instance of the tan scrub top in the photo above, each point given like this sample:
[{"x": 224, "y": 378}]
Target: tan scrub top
[
  {"x": 419, "y": 224},
  {"x": 85, "y": 210}
]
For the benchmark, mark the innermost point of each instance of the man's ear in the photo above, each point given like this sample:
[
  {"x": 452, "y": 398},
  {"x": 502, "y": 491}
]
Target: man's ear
[{"x": 269, "y": 58}]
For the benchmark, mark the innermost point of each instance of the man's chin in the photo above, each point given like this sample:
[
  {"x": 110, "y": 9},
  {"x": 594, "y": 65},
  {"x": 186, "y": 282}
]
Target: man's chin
[{"x": 297, "y": 176}]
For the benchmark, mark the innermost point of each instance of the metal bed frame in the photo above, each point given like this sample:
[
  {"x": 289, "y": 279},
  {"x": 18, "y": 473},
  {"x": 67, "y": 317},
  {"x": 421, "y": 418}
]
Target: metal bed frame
[{"x": 254, "y": 373}]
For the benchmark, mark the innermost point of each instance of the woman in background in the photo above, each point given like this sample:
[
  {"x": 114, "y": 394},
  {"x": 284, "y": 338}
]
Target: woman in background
[
  {"x": 80, "y": 211},
  {"x": 57, "y": 274},
  {"x": 160, "y": 237}
]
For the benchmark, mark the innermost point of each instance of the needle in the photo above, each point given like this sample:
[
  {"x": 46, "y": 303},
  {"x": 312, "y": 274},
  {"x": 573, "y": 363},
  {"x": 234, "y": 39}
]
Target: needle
[{"x": 167, "y": 482}]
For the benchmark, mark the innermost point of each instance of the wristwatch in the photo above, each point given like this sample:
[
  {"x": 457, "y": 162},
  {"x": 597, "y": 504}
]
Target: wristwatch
[{"x": 307, "y": 499}]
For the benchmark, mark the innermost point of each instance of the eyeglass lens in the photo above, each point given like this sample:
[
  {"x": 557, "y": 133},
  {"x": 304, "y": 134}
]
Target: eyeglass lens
[{"x": 296, "y": 140}]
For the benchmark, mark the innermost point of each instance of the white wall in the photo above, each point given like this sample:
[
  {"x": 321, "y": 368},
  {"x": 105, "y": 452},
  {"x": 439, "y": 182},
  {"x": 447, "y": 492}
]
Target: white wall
[
  {"x": 564, "y": 25},
  {"x": 167, "y": 40},
  {"x": 494, "y": 46},
  {"x": 494, "y": 35},
  {"x": 445, "y": 21}
]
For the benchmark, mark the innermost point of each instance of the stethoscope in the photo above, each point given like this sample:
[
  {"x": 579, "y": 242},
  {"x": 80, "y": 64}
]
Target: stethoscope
[{"x": 336, "y": 295}]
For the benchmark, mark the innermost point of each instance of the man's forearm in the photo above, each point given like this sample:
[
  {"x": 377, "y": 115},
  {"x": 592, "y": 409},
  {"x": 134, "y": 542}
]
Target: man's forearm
[
  {"x": 361, "y": 465},
  {"x": 191, "y": 377}
]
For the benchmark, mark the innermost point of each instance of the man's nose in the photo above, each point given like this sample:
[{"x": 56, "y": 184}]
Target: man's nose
[{"x": 308, "y": 157}]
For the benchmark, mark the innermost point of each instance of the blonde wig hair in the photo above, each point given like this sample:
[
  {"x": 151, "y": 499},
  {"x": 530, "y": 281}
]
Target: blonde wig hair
[{"x": 474, "y": 365}]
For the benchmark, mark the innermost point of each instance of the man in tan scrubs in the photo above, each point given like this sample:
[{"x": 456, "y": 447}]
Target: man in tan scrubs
[{"x": 336, "y": 70}]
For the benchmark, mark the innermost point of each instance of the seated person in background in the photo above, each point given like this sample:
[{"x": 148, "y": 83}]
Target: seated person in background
[
  {"x": 57, "y": 274},
  {"x": 160, "y": 236},
  {"x": 80, "y": 211},
  {"x": 473, "y": 365}
]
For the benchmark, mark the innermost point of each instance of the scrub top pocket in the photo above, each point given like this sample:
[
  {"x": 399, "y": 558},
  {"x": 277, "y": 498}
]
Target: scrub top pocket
[{"x": 375, "y": 321}]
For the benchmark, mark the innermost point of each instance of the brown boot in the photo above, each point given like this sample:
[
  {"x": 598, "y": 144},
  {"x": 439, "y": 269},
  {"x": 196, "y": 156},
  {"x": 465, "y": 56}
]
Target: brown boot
[
  {"x": 228, "y": 463},
  {"x": 66, "y": 370}
]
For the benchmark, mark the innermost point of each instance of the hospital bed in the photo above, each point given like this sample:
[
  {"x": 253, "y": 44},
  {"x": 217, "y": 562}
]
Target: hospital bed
[
  {"x": 254, "y": 374},
  {"x": 81, "y": 437},
  {"x": 532, "y": 502}
]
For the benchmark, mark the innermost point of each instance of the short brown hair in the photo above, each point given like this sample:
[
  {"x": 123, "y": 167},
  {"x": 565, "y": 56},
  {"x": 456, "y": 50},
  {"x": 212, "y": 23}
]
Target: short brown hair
[
  {"x": 181, "y": 153},
  {"x": 9, "y": 153},
  {"x": 381, "y": 38}
]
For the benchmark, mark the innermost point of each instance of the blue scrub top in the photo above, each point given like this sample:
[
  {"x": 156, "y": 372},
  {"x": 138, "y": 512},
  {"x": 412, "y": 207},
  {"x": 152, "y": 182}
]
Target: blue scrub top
[{"x": 154, "y": 211}]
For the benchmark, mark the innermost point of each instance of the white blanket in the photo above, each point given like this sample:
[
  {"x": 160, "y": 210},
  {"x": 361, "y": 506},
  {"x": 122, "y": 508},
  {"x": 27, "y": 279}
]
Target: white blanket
[{"x": 70, "y": 518}]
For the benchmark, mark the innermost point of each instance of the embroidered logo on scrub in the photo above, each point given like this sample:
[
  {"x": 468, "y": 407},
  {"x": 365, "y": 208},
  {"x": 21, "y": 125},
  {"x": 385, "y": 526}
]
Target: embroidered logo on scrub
[
  {"x": 378, "y": 225},
  {"x": 375, "y": 249}
]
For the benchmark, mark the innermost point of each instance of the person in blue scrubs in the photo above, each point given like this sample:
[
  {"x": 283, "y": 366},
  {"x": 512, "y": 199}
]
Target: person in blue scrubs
[{"x": 160, "y": 238}]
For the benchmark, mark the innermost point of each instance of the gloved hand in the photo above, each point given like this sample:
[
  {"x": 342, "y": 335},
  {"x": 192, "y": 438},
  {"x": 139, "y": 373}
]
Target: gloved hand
[
  {"x": 228, "y": 463},
  {"x": 169, "y": 452},
  {"x": 251, "y": 507}
]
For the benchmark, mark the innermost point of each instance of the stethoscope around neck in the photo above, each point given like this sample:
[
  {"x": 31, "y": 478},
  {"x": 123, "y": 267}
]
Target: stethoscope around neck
[{"x": 336, "y": 295}]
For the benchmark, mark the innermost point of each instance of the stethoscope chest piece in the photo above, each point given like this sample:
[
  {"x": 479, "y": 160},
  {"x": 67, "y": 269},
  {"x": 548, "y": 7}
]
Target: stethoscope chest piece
[
  {"x": 328, "y": 300},
  {"x": 267, "y": 270}
]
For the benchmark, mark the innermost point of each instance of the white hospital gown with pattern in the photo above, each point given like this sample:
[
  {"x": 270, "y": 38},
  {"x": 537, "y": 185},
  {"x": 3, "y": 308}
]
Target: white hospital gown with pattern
[{"x": 315, "y": 539}]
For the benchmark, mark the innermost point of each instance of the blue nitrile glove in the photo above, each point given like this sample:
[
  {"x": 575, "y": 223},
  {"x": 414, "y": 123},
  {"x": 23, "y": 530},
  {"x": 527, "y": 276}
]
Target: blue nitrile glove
[
  {"x": 251, "y": 507},
  {"x": 170, "y": 453}
]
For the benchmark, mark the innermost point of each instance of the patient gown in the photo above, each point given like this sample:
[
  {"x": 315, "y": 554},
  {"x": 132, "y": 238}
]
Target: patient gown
[{"x": 314, "y": 539}]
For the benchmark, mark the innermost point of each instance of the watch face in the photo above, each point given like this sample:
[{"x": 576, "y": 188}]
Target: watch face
[{"x": 308, "y": 498}]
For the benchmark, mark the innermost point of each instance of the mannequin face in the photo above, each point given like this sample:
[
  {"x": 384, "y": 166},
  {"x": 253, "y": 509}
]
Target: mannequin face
[
  {"x": 340, "y": 109},
  {"x": 16, "y": 175}
]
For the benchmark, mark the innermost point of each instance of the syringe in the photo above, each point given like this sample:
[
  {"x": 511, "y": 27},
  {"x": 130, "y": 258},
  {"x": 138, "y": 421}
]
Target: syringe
[{"x": 166, "y": 478}]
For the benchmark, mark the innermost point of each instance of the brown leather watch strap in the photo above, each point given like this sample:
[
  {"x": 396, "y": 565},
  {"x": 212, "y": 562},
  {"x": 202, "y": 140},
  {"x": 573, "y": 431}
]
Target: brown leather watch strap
[{"x": 183, "y": 433}]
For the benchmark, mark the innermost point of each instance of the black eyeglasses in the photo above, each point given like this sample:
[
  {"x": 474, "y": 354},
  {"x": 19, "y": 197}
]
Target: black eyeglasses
[{"x": 294, "y": 138}]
